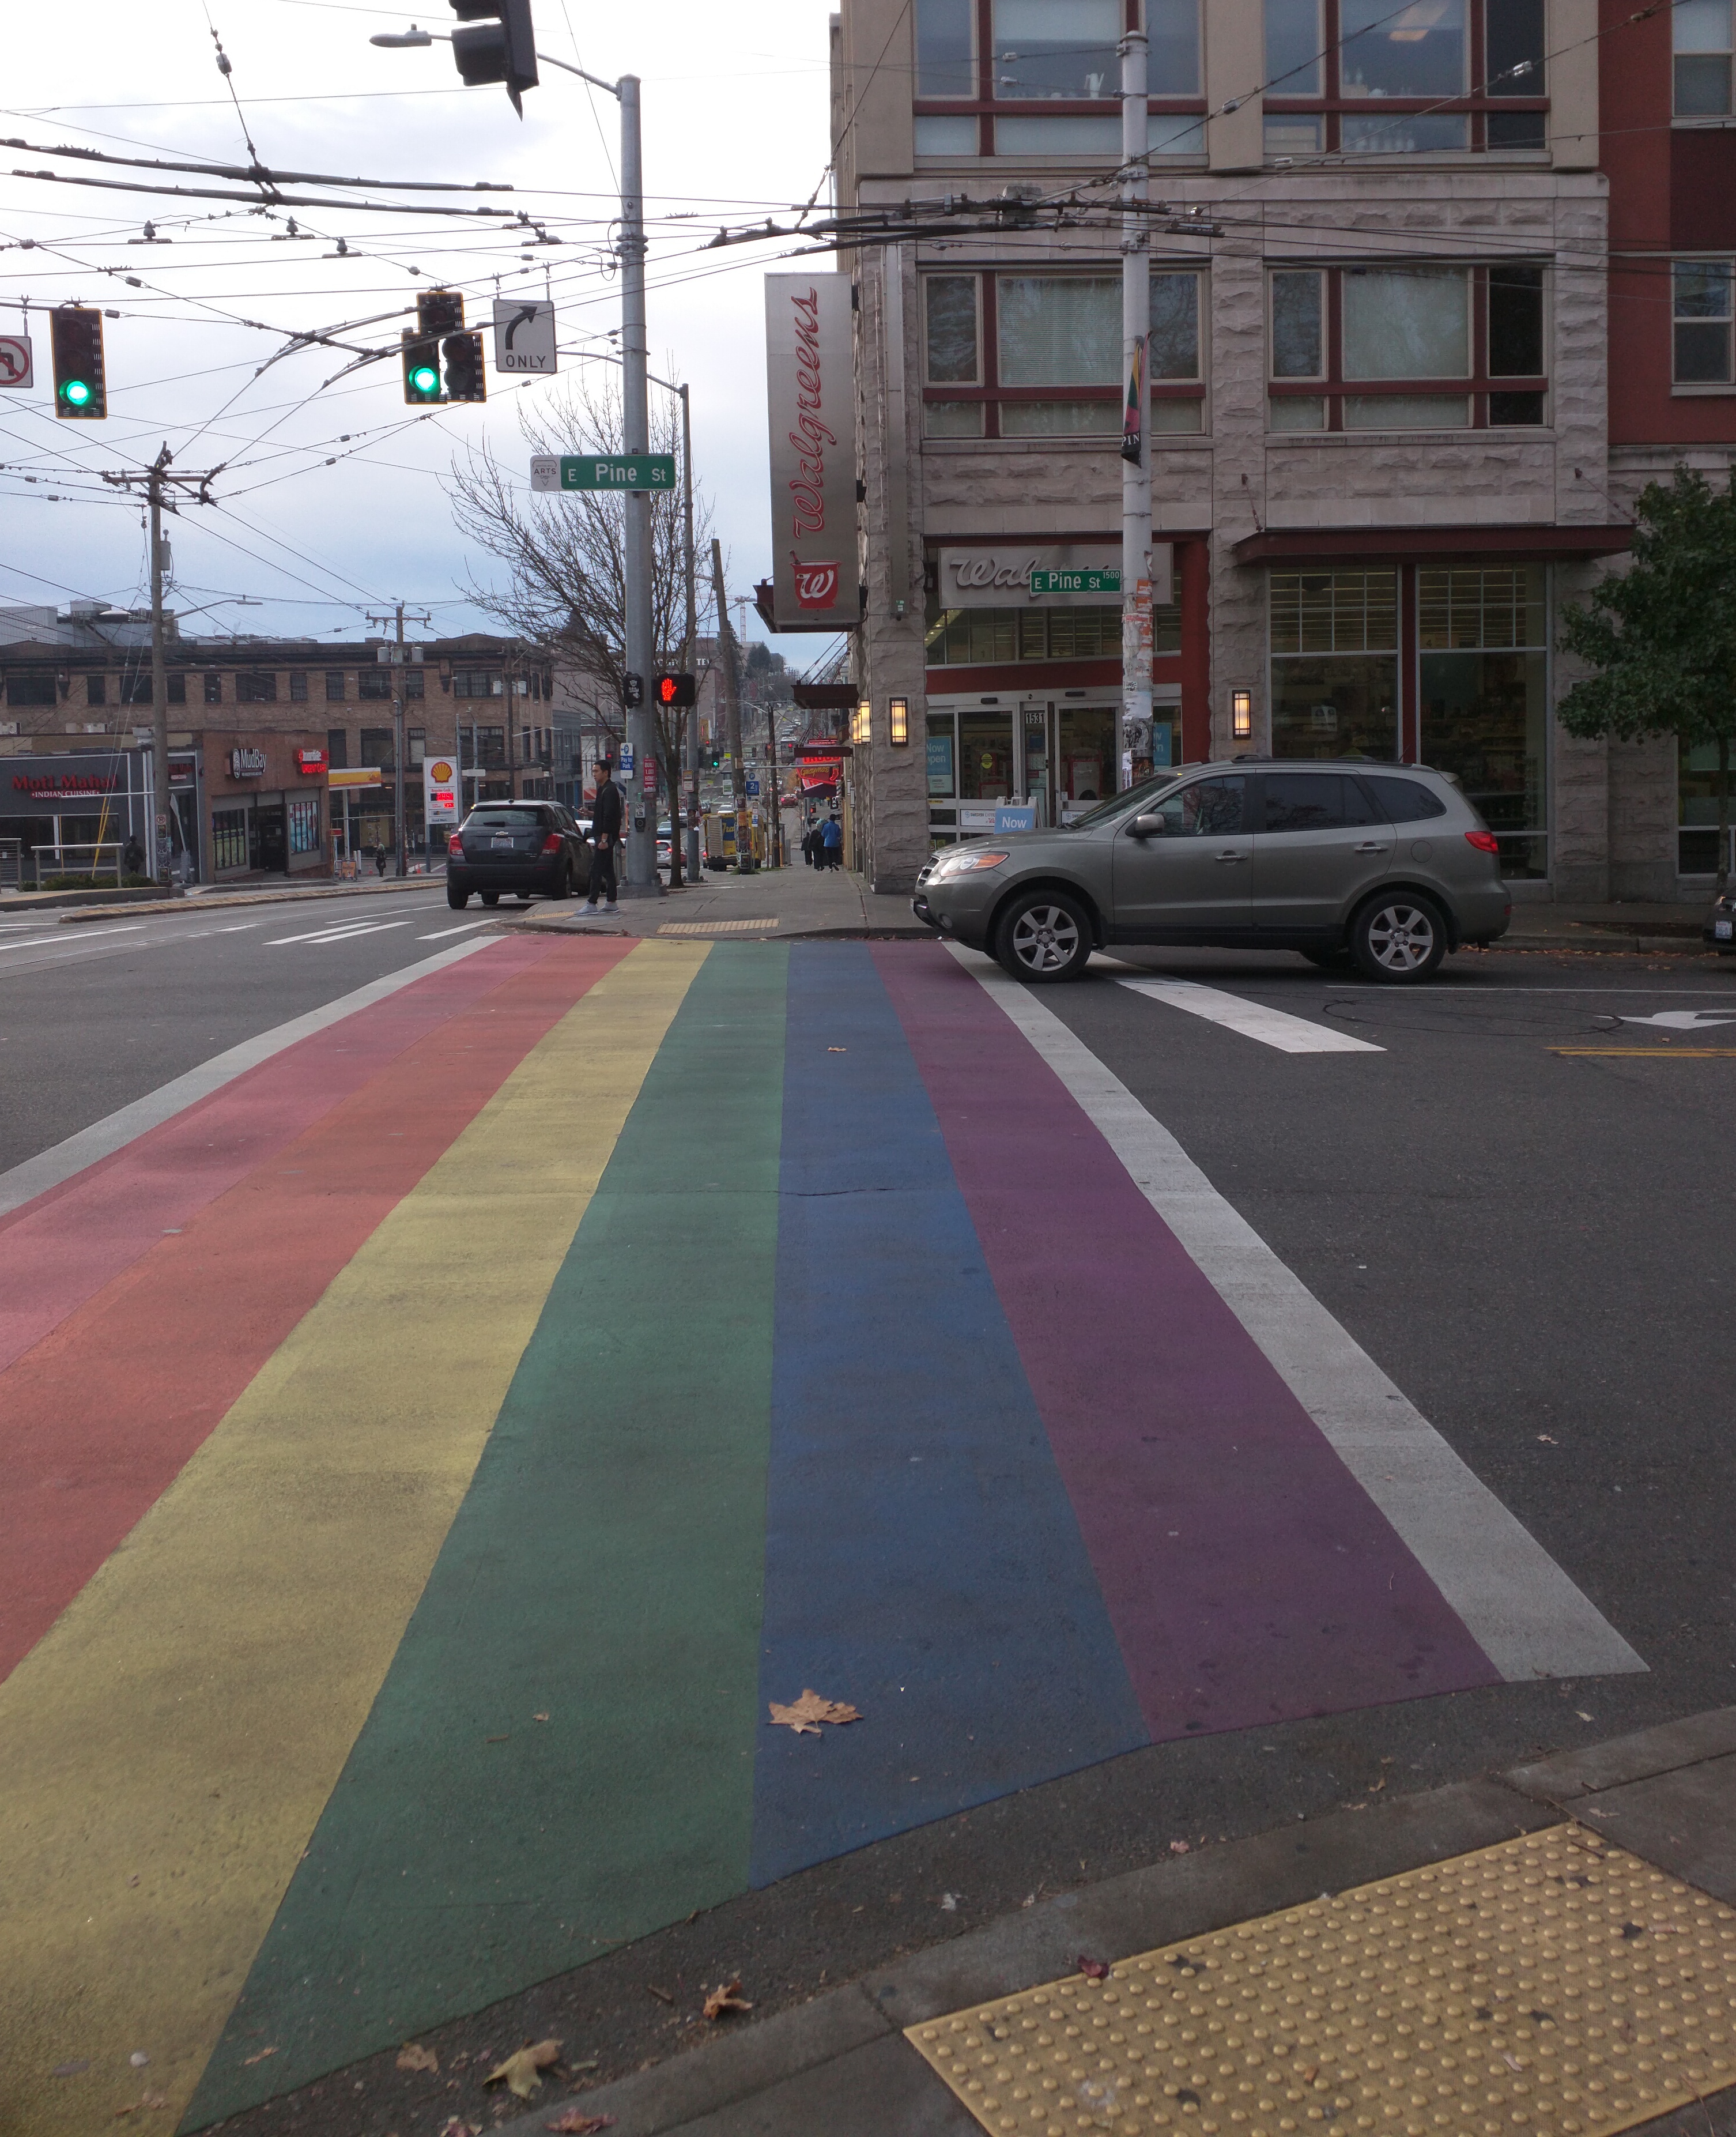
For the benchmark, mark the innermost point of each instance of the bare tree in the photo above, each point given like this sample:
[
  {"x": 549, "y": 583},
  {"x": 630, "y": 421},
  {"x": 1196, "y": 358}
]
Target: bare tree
[{"x": 564, "y": 554}]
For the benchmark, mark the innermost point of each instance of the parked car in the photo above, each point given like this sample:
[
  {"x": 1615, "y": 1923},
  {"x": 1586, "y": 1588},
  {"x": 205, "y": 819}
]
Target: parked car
[
  {"x": 526, "y": 848},
  {"x": 1719, "y": 932},
  {"x": 1386, "y": 867}
]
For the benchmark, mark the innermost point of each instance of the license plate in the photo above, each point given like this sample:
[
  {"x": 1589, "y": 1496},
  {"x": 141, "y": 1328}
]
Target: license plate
[
  {"x": 497, "y": 842},
  {"x": 1722, "y": 930}
]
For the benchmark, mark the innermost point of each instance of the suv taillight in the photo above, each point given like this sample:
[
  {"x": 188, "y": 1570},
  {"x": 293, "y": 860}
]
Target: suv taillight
[
  {"x": 551, "y": 844},
  {"x": 1486, "y": 842},
  {"x": 454, "y": 848}
]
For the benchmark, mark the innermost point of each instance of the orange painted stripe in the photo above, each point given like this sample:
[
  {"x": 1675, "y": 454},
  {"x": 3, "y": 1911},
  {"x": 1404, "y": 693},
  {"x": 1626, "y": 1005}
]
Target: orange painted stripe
[{"x": 98, "y": 1418}]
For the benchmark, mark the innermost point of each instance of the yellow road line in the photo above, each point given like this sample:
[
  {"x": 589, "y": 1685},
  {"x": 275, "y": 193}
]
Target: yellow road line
[
  {"x": 1551, "y": 1984},
  {"x": 169, "y": 1745}
]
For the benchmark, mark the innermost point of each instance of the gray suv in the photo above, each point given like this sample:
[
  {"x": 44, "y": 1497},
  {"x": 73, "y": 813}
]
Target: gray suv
[{"x": 1388, "y": 867}]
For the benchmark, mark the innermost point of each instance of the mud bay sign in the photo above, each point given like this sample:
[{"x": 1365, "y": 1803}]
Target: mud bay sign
[
  {"x": 816, "y": 578},
  {"x": 1039, "y": 575}
]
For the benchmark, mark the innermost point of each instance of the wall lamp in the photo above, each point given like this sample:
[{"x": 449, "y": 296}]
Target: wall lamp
[
  {"x": 897, "y": 712},
  {"x": 860, "y": 736},
  {"x": 1242, "y": 714}
]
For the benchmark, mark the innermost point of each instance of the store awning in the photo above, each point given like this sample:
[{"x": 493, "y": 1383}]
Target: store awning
[{"x": 1530, "y": 542}]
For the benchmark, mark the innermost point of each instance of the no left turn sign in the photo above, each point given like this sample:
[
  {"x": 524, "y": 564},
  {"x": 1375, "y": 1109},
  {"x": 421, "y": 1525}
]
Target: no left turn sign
[{"x": 15, "y": 364}]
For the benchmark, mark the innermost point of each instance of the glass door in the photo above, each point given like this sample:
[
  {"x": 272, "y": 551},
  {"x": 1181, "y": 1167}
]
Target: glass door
[
  {"x": 1085, "y": 766},
  {"x": 1036, "y": 737}
]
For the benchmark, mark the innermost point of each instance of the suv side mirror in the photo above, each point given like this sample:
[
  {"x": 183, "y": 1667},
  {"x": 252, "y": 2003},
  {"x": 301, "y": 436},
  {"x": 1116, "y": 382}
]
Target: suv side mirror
[{"x": 1147, "y": 827}]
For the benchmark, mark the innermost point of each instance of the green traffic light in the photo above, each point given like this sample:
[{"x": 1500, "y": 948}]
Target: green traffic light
[
  {"x": 76, "y": 392},
  {"x": 425, "y": 379}
]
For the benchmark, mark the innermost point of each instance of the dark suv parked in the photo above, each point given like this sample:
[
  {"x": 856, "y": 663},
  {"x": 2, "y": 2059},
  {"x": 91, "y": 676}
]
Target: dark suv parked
[
  {"x": 1387, "y": 866},
  {"x": 524, "y": 847}
]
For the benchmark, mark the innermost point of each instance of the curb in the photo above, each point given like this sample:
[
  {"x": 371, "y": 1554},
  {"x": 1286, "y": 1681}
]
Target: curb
[
  {"x": 217, "y": 901},
  {"x": 1664, "y": 1800}
]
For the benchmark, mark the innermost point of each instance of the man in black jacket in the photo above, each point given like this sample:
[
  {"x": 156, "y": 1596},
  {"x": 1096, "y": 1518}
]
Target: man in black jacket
[{"x": 606, "y": 830}]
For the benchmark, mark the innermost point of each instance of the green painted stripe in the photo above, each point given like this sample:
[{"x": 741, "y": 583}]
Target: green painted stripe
[{"x": 605, "y": 1569}]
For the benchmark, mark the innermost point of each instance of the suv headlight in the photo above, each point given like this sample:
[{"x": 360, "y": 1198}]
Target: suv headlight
[{"x": 961, "y": 861}]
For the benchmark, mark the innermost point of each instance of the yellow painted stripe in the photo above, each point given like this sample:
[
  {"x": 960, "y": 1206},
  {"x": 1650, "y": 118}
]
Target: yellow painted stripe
[{"x": 166, "y": 1750}]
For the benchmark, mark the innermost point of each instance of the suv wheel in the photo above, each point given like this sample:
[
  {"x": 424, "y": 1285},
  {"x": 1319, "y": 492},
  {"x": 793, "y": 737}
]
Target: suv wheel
[
  {"x": 1398, "y": 939},
  {"x": 456, "y": 899},
  {"x": 1044, "y": 937}
]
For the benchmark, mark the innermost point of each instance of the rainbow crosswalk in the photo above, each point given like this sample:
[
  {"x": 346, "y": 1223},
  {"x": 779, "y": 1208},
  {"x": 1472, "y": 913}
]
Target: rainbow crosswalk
[{"x": 426, "y": 1456}]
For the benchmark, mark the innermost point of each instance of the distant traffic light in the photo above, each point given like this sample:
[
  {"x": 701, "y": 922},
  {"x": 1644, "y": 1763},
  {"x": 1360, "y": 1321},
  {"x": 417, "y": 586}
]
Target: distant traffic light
[
  {"x": 421, "y": 370},
  {"x": 439, "y": 311},
  {"x": 76, "y": 335},
  {"x": 672, "y": 690},
  {"x": 466, "y": 380},
  {"x": 504, "y": 49}
]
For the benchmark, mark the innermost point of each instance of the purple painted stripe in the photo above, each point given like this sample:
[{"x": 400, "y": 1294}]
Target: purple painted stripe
[{"x": 1249, "y": 1576}]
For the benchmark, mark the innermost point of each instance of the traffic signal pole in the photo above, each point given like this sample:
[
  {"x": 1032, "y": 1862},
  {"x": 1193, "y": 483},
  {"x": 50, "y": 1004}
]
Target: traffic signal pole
[
  {"x": 642, "y": 876},
  {"x": 398, "y": 837},
  {"x": 1136, "y": 424},
  {"x": 690, "y": 658}
]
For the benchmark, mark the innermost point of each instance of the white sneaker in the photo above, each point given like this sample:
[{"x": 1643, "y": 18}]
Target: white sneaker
[{"x": 610, "y": 911}]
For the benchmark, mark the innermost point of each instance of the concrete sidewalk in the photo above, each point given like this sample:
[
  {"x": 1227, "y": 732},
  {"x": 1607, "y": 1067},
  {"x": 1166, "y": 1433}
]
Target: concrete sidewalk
[
  {"x": 785, "y": 903},
  {"x": 840, "y": 2067},
  {"x": 1622, "y": 929}
]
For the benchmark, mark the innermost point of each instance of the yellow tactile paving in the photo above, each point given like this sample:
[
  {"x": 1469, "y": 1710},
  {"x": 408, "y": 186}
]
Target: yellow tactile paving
[{"x": 1551, "y": 1984}]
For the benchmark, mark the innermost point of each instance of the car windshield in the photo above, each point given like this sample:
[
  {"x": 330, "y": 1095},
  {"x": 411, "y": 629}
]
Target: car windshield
[
  {"x": 1118, "y": 805},
  {"x": 512, "y": 818}
]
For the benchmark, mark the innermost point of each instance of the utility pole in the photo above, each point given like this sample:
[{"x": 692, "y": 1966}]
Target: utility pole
[
  {"x": 1135, "y": 434},
  {"x": 642, "y": 877},
  {"x": 158, "y": 482},
  {"x": 398, "y": 731},
  {"x": 690, "y": 658},
  {"x": 731, "y": 708}
]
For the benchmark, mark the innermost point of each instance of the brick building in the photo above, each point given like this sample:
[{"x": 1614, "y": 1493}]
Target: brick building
[{"x": 1402, "y": 395}]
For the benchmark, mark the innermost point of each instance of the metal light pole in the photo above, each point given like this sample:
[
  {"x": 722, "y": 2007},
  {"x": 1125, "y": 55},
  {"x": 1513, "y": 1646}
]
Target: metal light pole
[
  {"x": 1135, "y": 438},
  {"x": 690, "y": 659},
  {"x": 398, "y": 831}
]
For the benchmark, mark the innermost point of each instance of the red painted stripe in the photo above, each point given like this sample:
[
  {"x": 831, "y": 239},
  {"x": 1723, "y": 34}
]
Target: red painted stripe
[
  {"x": 60, "y": 1248},
  {"x": 97, "y": 1419}
]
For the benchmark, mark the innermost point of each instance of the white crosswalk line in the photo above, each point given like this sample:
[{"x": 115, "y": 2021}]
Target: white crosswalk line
[
  {"x": 344, "y": 931},
  {"x": 1271, "y": 1027}
]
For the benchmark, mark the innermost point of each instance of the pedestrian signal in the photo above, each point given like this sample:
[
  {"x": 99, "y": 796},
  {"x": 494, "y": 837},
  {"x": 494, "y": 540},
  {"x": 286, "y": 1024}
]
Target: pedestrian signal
[
  {"x": 672, "y": 690},
  {"x": 75, "y": 336},
  {"x": 633, "y": 689}
]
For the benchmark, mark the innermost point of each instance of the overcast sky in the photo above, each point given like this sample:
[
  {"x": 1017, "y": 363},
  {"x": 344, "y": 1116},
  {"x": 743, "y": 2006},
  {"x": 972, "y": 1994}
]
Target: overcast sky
[{"x": 735, "y": 125}]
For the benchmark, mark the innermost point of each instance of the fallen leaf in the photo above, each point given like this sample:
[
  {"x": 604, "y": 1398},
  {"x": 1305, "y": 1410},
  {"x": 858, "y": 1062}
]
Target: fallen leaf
[
  {"x": 75, "y": 2069},
  {"x": 1547, "y": 1440},
  {"x": 949, "y": 1903},
  {"x": 153, "y": 2100},
  {"x": 412, "y": 2056},
  {"x": 574, "y": 2124},
  {"x": 1512, "y": 2062},
  {"x": 539, "y": 1717},
  {"x": 837, "y": 1049},
  {"x": 1309, "y": 2074},
  {"x": 727, "y": 1996},
  {"x": 1093, "y": 1970},
  {"x": 662, "y": 1995},
  {"x": 1178, "y": 1848},
  {"x": 248, "y": 2061},
  {"x": 809, "y": 1712},
  {"x": 1375, "y": 1787},
  {"x": 523, "y": 2069},
  {"x": 454, "y": 2128},
  {"x": 138, "y": 2059}
]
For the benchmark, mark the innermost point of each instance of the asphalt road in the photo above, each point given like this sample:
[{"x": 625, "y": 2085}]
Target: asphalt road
[
  {"x": 1515, "y": 1195},
  {"x": 96, "y": 1014}
]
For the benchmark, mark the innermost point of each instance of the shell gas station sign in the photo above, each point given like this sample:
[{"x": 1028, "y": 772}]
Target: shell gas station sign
[{"x": 439, "y": 793}]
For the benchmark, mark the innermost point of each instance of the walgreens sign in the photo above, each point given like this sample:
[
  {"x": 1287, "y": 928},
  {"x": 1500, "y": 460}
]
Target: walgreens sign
[{"x": 815, "y": 575}]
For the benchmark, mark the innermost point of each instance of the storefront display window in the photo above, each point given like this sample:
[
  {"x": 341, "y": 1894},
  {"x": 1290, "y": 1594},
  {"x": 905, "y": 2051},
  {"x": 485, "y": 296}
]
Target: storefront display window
[
  {"x": 985, "y": 755},
  {"x": 1335, "y": 663},
  {"x": 1697, "y": 793},
  {"x": 1085, "y": 770},
  {"x": 228, "y": 839},
  {"x": 941, "y": 755},
  {"x": 1483, "y": 676},
  {"x": 305, "y": 824},
  {"x": 961, "y": 636}
]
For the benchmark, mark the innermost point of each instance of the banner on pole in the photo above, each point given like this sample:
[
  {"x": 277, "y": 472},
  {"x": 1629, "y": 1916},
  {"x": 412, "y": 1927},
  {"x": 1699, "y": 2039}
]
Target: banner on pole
[{"x": 816, "y": 577}]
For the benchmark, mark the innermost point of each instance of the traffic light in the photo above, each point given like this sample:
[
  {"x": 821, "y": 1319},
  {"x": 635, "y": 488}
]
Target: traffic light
[
  {"x": 504, "y": 49},
  {"x": 439, "y": 311},
  {"x": 465, "y": 377},
  {"x": 75, "y": 335},
  {"x": 421, "y": 370},
  {"x": 672, "y": 690}
]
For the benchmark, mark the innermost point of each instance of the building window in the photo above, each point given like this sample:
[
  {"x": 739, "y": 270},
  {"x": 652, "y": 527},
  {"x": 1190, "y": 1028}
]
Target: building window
[
  {"x": 1700, "y": 32},
  {"x": 412, "y": 682},
  {"x": 1335, "y": 663},
  {"x": 136, "y": 690},
  {"x": 228, "y": 839},
  {"x": 298, "y": 686},
  {"x": 334, "y": 686},
  {"x": 475, "y": 683},
  {"x": 1172, "y": 353},
  {"x": 213, "y": 689},
  {"x": 95, "y": 689},
  {"x": 30, "y": 690},
  {"x": 1482, "y": 639},
  {"x": 374, "y": 683},
  {"x": 1697, "y": 809},
  {"x": 253, "y": 688},
  {"x": 952, "y": 345},
  {"x": 338, "y": 749},
  {"x": 1702, "y": 310},
  {"x": 1041, "y": 78},
  {"x": 1022, "y": 355},
  {"x": 1406, "y": 349},
  {"x": 416, "y": 743},
  {"x": 376, "y": 747},
  {"x": 1358, "y": 78},
  {"x": 983, "y": 637},
  {"x": 303, "y": 823}
]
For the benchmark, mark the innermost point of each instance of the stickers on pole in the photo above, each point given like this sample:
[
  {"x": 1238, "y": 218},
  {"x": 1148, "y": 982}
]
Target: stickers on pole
[{"x": 524, "y": 337}]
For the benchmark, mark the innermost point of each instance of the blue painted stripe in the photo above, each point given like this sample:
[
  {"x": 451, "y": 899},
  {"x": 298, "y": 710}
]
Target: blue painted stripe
[{"x": 922, "y": 1559}]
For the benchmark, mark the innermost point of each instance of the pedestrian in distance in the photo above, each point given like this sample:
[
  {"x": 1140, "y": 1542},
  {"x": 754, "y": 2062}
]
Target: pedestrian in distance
[
  {"x": 606, "y": 818},
  {"x": 132, "y": 858},
  {"x": 833, "y": 836},
  {"x": 379, "y": 857},
  {"x": 807, "y": 846}
]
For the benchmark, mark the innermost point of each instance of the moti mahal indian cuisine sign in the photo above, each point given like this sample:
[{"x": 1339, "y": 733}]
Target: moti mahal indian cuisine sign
[{"x": 816, "y": 577}]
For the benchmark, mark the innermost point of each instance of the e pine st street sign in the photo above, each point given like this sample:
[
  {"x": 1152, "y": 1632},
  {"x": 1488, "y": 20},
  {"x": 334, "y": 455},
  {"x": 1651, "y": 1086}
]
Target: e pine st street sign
[{"x": 603, "y": 471}]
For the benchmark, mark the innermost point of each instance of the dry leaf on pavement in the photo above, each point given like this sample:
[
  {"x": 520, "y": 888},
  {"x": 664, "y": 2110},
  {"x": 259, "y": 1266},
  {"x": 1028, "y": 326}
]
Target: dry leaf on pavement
[
  {"x": 454, "y": 2128},
  {"x": 727, "y": 1996},
  {"x": 809, "y": 1712},
  {"x": 1093, "y": 1970},
  {"x": 412, "y": 2056},
  {"x": 522, "y": 2070},
  {"x": 574, "y": 2123}
]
